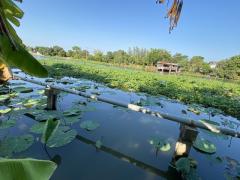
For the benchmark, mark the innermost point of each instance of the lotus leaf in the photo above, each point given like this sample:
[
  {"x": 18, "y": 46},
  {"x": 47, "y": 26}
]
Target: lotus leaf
[
  {"x": 4, "y": 110},
  {"x": 72, "y": 119},
  {"x": 27, "y": 169},
  {"x": 89, "y": 125},
  {"x": 62, "y": 137},
  {"x": 204, "y": 145},
  {"x": 72, "y": 112},
  {"x": 50, "y": 129},
  {"x": 38, "y": 128},
  {"x": 22, "y": 89},
  {"x": 7, "y": 123},
  {"x": 17, "y": 144},
  {"x": 160, "y": 144}
]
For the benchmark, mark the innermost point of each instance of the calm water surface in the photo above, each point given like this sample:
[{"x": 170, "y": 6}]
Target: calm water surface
[{"x": 126, "y": 152}]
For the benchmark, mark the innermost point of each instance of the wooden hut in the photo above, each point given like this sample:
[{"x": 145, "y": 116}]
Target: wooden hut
[{"x": 167, "y": 67}]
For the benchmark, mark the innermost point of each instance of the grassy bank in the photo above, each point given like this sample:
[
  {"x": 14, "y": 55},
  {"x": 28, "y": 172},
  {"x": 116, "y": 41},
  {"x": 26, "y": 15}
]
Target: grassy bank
[{"x": 210, "y": 93}]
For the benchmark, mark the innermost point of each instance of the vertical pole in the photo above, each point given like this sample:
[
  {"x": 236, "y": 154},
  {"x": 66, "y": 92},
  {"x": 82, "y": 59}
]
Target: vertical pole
[
  {"x": 185, "y": 141},
  {"x": 51, "y": 98}
]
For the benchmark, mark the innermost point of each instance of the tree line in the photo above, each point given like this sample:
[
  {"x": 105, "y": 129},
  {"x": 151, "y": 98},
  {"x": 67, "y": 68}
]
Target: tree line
[{"x": 227, "y": 69}]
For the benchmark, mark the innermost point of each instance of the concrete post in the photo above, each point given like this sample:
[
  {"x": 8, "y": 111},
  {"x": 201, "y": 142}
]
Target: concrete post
[{"x": 51, "y": 98}]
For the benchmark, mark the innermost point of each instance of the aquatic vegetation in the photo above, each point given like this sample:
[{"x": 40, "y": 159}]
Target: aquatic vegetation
[
  {"x": 208, "y": 93},
  {"x": 62, "y": 137},
  {"x": 38, "y": 128},
  {"x": 22, "y": 89},
  {"x": 204, "y": 145},
  {"x": 5, "y": 124},
  {"x": 160, "y": 144},
  {"x": 89, "y": 125},
  {"x": 72, "y": 112},
  {"x": 4, "y": 110},
  {"x": 27, "y": 169},
  {"x": 10, "y": 145},
  {"x": 187, "y": 168},
  {"x": 50, "y": 129}
]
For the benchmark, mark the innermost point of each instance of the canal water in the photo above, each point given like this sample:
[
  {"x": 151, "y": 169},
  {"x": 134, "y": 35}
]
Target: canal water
[{"x": 121, "y": 146}]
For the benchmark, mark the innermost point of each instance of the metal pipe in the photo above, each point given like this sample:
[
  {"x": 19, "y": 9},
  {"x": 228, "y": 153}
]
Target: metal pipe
[{"x": 133, "y": 107}]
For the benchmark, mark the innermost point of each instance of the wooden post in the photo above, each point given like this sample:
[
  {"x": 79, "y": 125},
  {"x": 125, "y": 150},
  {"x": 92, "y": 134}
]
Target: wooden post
[
  {"x": 184, "y": 144},
  {"x": 51, "y": 98}
]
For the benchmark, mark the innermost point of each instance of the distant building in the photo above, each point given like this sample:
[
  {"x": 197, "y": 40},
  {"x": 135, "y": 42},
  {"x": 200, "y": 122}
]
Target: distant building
[
  {"x": 167, "y": 67},
  {"x": 212, "y": 64}
]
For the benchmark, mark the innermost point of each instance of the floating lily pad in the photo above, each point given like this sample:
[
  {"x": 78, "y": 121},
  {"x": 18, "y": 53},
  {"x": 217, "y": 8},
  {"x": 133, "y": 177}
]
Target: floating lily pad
[
  {"x": 7, "y": 123},
  {"x": 38, "y": 128},
  {"x": 160, "y": 144},
  {"x": 4, "y": 110},
  {"x": 204, "y": 145},
  {"x": 187, "y": 168},
  {"x": 41, "y": 92},
  {"x": 62, "y": 137},
  {"x": 30, "y": 103},
  {"x": 72, "y": 112},
  {"x": 72, "y": 119},
  {"x": 4, "y": 97},
  {"x": 17, "y": 144},
  {"x": 46, "y": 116},
  {"x": 22, "y": 89},
  {"x": 89, "y": 125}
]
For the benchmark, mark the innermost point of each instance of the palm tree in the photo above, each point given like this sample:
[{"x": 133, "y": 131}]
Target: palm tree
[{"x": 173, "y": 13}]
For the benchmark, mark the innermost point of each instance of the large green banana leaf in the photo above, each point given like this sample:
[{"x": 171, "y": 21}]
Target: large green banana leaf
[
  {"x": 26, "y": 169},
  {"x": 12, "y": 52}
]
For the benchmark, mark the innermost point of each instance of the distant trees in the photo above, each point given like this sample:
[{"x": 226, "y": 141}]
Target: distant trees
[
  {"x": 197, "y": 65},
  {"x": 228, "y": 69}
]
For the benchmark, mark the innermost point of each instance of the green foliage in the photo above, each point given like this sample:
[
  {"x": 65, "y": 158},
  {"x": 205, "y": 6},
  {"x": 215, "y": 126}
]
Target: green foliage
[
  {"x": 62, "y": 137},
  {"x": 27, "y": 169},
  {"x": 89, "y": 125},
  {"x": 204, "y": 145},
  {"x": 11, "y": 145},
  {"x": 217, "y": 94},
  {"x": 229, "y": 69},
  {"x": 160, "y": 144},
  {"x": 50, "y": 128},
  {"x": 4, "y": 124},
  {"x": 187, "y": 168}
]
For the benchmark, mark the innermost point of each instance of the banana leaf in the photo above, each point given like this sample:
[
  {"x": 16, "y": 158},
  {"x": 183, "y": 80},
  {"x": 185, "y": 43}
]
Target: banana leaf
[{"x": 27, "y": 169}]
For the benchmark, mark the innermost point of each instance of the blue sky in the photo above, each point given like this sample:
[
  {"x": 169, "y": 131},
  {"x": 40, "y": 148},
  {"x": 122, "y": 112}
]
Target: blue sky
[{"x": 209, "y": 28}]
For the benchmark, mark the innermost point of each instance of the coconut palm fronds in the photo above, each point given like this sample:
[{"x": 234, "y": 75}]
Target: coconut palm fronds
[{"x": 173, "y": 13}]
